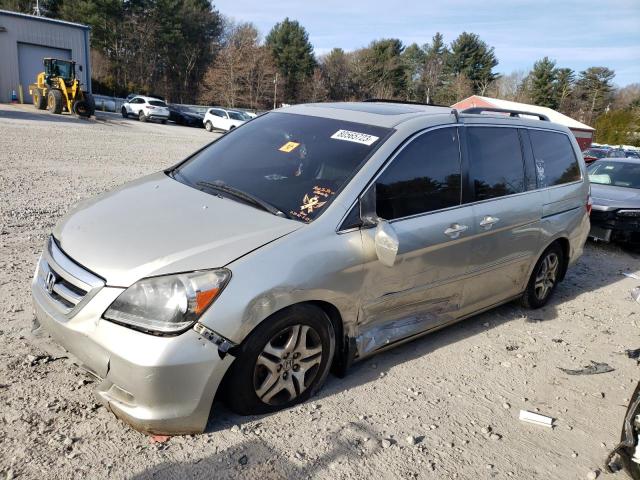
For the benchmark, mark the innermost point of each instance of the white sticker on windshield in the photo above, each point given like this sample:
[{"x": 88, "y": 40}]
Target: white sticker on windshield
[{"x": 357, "y": 137}]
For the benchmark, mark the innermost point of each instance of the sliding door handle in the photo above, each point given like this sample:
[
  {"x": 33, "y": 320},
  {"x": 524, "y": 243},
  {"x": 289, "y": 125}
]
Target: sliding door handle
[
  {"x": 455, "y": 230},
  {"x": 488, "y": 221}
]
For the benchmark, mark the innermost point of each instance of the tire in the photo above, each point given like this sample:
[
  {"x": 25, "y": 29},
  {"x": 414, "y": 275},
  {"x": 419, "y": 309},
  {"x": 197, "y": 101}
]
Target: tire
[
  {"x": 55, "y": 101},
  {"x": 269, "y": 372},
  {"x": 164, "y": 122},
  {"x": 123, "y": 111},
  {"x": 85, "y": 107},
  {"x": 544, "y": 278},
  {"x": 141, "y": 116},
  {"x": 39, "y": 100},
  {"x": 208, "y": 126}
]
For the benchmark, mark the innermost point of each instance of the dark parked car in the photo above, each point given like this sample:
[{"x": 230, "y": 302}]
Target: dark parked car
[
  {"x": 615, "y": 193},
  {"x": 624, "y": 454},
  {"x": 185, "y": 116},
  {"x": 593, "y": 154}
]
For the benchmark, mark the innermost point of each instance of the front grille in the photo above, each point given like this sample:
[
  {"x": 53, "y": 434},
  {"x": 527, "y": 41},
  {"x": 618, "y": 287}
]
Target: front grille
[{"x": 68, "y": 285}]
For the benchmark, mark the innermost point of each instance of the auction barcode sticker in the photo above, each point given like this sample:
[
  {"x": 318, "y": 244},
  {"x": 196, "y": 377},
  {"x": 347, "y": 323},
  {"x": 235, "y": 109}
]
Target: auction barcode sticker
[{"x": 356, "y": 137}]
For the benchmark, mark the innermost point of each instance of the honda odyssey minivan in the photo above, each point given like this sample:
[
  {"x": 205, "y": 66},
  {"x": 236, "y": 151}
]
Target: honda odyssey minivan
[{"x": 302, "y": 241}]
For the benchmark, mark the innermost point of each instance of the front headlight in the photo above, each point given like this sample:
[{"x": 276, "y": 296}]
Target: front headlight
[
  {"x": 168, "y": 304},
  {"x": 629, "y": 213}
]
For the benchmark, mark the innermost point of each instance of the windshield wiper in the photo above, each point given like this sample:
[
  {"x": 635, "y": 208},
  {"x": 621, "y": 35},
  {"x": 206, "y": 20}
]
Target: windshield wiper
[{"x": 247, "y": 197}]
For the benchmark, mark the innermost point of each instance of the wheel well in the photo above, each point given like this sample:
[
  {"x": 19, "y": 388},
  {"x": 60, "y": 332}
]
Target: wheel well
[{"x": 566, "y": 250}]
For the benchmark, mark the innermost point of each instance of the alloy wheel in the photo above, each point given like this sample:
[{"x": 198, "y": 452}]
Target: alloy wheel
[
  {"x": 288, "y": 364},
  {"x": 547, "y": 275}
]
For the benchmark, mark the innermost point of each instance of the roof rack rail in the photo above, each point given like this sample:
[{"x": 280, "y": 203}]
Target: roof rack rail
[
  {"x": 512, "y": 113},
  {"x": 388, "y": 100}
]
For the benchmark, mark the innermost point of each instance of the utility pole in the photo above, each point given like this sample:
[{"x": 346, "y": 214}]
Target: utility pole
[{"x": 275, "y": 91}]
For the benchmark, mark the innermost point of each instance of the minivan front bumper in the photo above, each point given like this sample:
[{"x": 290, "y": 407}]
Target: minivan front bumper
[{"x": 156, "y": 384}]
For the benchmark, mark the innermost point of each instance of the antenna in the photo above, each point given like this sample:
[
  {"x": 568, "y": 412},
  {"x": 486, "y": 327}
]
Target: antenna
[{"x": 36, "y": 10}]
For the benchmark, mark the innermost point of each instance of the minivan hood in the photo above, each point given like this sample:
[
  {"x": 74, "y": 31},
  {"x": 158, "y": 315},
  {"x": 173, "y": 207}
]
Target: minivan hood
[
  {"x": 157, "y": 225},
  {"x": 615, "y": 197}
]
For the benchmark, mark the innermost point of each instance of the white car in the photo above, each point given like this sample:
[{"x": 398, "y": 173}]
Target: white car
[
  {"x": 145, "y": 108},
  {"x": 222, "y": 119}
]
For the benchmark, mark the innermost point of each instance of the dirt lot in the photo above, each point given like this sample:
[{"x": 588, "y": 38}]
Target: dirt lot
[{"x": 457, "y": 393}]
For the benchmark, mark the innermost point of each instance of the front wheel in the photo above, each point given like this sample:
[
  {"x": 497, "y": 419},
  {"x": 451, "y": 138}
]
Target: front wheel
[
  {"x": 208, "y": 126},
  {"x": 544, "y": 278},
  {"x": 141, "y": 116},
  {"x": 283, "y": 362},
  {"x": 123, "y": 111}
]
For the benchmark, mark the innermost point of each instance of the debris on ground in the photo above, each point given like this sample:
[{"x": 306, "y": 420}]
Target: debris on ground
[
  {"x": 635, "y": 294},
  {"x": 631, "y": 275},
  {"x": 633, "y": 354},
  {"x": 243, "y": 460},
  {"x": 536, "y": 418},
  {"x": 159, "y": 438},
  {"x": 594, "y": 368},
  {"x": 593, "y": 474}
]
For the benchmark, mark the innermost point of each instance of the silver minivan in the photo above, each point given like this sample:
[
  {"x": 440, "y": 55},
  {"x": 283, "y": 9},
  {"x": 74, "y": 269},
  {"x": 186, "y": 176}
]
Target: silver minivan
[{"x": 306, "y": 239}]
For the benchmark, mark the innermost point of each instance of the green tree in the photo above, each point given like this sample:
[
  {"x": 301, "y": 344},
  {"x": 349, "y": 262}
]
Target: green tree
[
  {"x": 336, "y": 70},
  {"x": 293, "y": 55},
  {"x": 565, "y": 81},
  {"x": 618, "y": 127},
  {"x": 382, "y": 70},
  {"x": 474, "y": 59},
  {"x": 434, "y": 69},
  {"x": 594, "y": 91},
  {"x": 542, "y": 83},
  {"x": 414, "y": 59}
]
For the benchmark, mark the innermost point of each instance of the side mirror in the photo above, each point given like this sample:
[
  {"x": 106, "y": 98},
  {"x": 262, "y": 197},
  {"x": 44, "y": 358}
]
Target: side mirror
[
  {"x": 387, "y": 243},
  {"x": 386, "y": 239},
  {"x": 80, "y": 67}
]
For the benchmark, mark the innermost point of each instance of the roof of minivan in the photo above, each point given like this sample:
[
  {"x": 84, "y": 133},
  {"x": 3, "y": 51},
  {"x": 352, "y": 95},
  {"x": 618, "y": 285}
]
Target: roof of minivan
[
  {"x": 381, "y": 114},
  {"x": 391, "y": 114}
]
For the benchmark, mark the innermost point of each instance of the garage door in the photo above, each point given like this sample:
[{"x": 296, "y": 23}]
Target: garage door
[{"x": 30, "y": 63}]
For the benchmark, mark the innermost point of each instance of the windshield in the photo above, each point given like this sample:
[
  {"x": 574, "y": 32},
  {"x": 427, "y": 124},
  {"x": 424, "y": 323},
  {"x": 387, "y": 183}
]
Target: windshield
[
  {"x": 235, "y": 116},
  {"x": 157, "y": 103},
  {"x": 592, "y": 152},
  {"x": 621, "y": 174},
  {"x": 296, "y": 163}
]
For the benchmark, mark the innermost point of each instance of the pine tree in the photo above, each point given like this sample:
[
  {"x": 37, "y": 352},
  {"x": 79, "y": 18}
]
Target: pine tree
[
  {"x": 474, "y": 59},
  {"x": 293, "y": 55},
  {"x": 542, "y": 83}
]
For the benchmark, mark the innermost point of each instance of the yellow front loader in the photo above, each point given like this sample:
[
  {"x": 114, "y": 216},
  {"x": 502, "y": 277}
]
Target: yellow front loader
[{"x": 58, "y": 89}]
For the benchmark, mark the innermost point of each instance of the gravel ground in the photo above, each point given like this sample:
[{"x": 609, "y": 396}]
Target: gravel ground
[{"x": 444, "y": 406}]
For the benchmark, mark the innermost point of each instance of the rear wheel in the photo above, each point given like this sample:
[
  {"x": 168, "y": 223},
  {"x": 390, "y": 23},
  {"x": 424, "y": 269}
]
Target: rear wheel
[
  {"x": 283, "y": 362},
  {"x": 544, "y": 278},
  {"x": 141, "y": 116},
  {"x": 55, "y": 101},
  {"x": 39, "y": 100},
  {"x": 164, "y": 122},
  {"x": 208, "y": 126}
]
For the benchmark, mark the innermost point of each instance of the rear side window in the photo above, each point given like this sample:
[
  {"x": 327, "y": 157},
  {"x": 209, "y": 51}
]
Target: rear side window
[
  {"x": 157, "y": 103},
  {"x": 555, "y": 160},
  {"x": 425, "y": 176},
  {"x": 496, "y": 168}
]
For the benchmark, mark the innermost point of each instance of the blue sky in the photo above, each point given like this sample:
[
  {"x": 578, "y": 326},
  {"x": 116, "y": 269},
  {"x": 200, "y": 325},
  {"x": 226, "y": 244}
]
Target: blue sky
[{"x": 577, "y": 34}]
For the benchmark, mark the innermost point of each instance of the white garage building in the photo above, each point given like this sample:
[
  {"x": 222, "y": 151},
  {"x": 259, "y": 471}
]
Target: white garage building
[{"x": 26, "y": 39}]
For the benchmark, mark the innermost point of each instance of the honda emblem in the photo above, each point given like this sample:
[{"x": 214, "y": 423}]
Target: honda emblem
[{"x": 50, "y": 281}]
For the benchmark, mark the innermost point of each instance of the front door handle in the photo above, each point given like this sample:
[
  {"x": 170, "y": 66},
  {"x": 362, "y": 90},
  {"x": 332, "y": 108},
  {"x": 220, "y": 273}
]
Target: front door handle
[
  {"x": 455, "y": 230},
  {"x": 488, "y": 221}
]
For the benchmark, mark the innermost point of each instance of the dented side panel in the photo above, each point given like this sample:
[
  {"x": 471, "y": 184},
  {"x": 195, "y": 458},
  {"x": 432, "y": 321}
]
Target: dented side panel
[{"x": 426, "y": 286}]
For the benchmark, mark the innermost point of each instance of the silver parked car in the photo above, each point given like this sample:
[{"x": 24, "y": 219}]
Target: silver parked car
[
  {"x": 306, "y": 239},
  {"x": 615, "y": 189}
]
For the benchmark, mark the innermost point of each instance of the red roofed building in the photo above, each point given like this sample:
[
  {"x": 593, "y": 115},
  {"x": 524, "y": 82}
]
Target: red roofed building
[{"x": 583, "y": 133}]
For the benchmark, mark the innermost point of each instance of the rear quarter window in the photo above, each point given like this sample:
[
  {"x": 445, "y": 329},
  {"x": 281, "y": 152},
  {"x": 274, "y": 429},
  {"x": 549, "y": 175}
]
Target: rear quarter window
[{"x": 556, "y": 162}]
